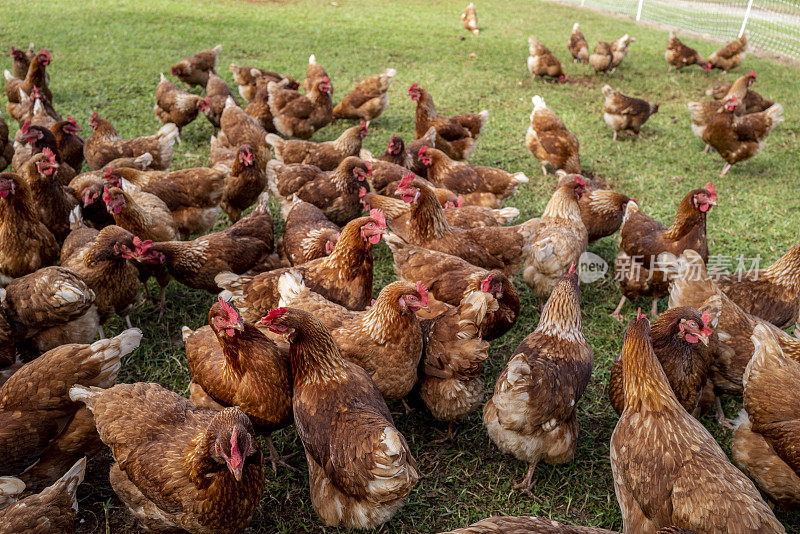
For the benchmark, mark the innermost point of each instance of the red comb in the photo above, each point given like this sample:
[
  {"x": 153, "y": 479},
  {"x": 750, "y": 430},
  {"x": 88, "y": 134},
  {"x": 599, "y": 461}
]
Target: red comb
[
  {"x": 414, "y": 86},
  {"x": 460, "y": 201},
  {"x": 422, "y": 150},
  {"x": 236, "y": 459},
  {"x": 752, "y": 73},
  {"x": 362, "y": 191},
  {"x": 706, "y": 318},
  {"x": 710, "y": 188},
  {"x": 579, "y": 180},
  {"x": 378, "y": 216},
  {"x": 109, "y": 172},
  {"x": 363, "y": 124},
  {"x": 229, "y": 309},
  {"x": 486, "y": 283},
  {"x": 72, "y": 121},
  {"x": 423, "y": 294},
  {"x": 639, "y": 314},
  {"x": 49, "y": 154},
  {"x": 406, "y": 181},
  {"x": 94, "y": 115},
  {"x": 272, "y": 315},
  {"x": 572, "y": 268},
  {"x": 26, "y": 127}
]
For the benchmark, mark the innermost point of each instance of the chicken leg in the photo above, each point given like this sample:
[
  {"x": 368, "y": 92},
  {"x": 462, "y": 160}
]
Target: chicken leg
[
  {"x": 448, "y": 436},
  {"x": 725, "y": 170},
  {"x": 654, "y": 308},
  {"x": 722, "y": 419},
  {"x": 615, "y": 137},
  {"x": 616, "y": 314},
  {"x": 527, "y": 482},
  {"x": 276, "y": 459},
  {"x": 707, "y": 149}
]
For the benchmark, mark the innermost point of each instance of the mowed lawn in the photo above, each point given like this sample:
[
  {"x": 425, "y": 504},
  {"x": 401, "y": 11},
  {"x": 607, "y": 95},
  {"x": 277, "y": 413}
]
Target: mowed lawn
[{"x": 108, "y": 56}]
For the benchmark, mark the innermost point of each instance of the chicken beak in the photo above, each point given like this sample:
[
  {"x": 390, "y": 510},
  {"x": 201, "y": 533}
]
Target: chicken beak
[
  {"x": 238, "y": 326},
  {"x": 237, "y": 473},
  {"x": 703, "y": 339}
]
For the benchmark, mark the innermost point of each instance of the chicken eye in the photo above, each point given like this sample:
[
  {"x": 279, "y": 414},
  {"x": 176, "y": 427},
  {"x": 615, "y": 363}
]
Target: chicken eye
[{"x": 692, "y": 324}]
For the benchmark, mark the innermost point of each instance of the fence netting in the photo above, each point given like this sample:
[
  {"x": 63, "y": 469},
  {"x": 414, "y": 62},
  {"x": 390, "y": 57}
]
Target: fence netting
[{"x": 773, "y": 25}]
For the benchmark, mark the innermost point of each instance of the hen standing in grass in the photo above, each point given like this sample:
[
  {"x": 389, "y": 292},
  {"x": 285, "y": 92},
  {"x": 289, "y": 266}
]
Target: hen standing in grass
[
  {"x": 542, "y": 62},
  {"x": 532, "y": 412},
  {"x": 195, "y": 69},
  {"x": 678, "y": 55},
  {"x": 368, "y": 100},
  {"x": 549, "y": 140},
  {"x": 577, "y": 45}
]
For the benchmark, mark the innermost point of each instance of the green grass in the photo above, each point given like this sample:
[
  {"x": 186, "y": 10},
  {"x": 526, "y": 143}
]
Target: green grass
[{"x": 107, "y": 57}]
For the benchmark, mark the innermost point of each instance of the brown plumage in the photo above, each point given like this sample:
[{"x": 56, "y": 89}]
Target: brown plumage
[
  {"x": 360, "y": 467},
  {"x": 764, "y": 444},
  {"x": 195, "y": 69},
  {"x": 680, "y": 338},
  {"x": 298, "y": 115},
  {"x": 55, "y": 203},
  {"x": 625, "y": 113},
  {"x": 234, "y": 364},
  {"x": 773, "y": 294},
  {"x": 245, "y": 183},
  {"x": 450, "y": 279},
  {"x": 191, "y": 195},
  {"x": 326, "y": 155},
  {"x": 561, "y": 237},
  {"x": 678, "y": 55},
  {"x": 735, "y": 138},
  {"x": 237, "y": 249},
  {"x": 498, "y": 247},
  {"x": 6, "y": 145},
  {"x": 456, "y": 136},
  {"x": 217, "y": 93},
  {"x": 532, "y": 411},
  {"x": 550, "y": 141},
  {"x": 601, "y": 210},
  {"x": 368, "y": 99},
  {"x": 344, "y": 277},
  {"x": 308, "y": 234},
  {"x": 334, "y": 192},
  {"x": 101, "y": 259},
  {"x": 48, "y": 308},
  {"x": 105, "y": 145},
  {"x": 385, "y": 340},
  {"x": 530, "y": 525},
  {"x": 314, "y": 74},
  {"x": 729, "y": 56},
  {"x": 470, "y": 19},
  {"x": 143, "y": 214},
  {"x": 22, "y": 60},
  {"x": 239, "y": 128},
  {"x": 602, "y": 57},
  {"x": 35, "y": 407},
  {"x": 176, "y": 106},
  {"x": 33, "y": 140},
  {"x": 542, "y": 62},
  {"x": 68, "y": 143},
  {"x": 619, "y": 50},
  {"x": 177, "y": 467},
  {"x": 577, "y": 45},
  {"x": 258, "y": 106},
  {"x": 642, "y": 239},
  {"x": 26, "y": 244},
  {"x": 464, "y": 178},
  {"x": 247, "y": 79},
  {"x": 36, "y": 76},
  {"x": 751, "y": 102},
  {"x": 53, "y": 511},
  {"x": 408, "y": 156},
  {"x": 665, "y": 462}
]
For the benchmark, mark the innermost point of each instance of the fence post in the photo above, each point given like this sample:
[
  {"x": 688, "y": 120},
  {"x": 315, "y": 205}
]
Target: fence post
[
  {"x": 639, "y": 9},
  {"x": 746, "y": 16},
  {"x": 583, "y": 2}
]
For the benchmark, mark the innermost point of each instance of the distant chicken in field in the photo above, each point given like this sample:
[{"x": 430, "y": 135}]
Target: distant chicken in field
[
  {"x": 678, "y": 55},
  {"x": 408, "y": 156},
  {"x": 34, "y": 110},
  {"x": 385, "y": 340},
  {"x": 680, "y": 339},
  {"x": 343, "y": 277},
  {"x": 773, "y": 294},
  {"x": 247, "y": 78},
  {"x": 768, "y": 428},
  {"x": 735, "y": 138},
  {"x": 105, "y": 145},
  {"x": 234, "y": 364},
  {"x": 360, "y": 467},
  {"x": 665, "y": 462},
  {"x": 542, "y": 62},
  {"x": 26, "y": 244},
  {"x": 470, "y": 19},
  {"x": 6, "y": 145},
  {"x": 314, "y": 74},
  {"x": 334, "y": 192},
  {"x": 245, "y": 183},
  {"x": 642, "y": 239},
  {"x": 494, "y": 247},
  {"x": 619, "y": 50},
  {"x": 729, "y": 56},
  {"x": 561, "y": 237},
  {"x": 308, "y": 234},
  {"x": 39, "y": 418},
  {"x": 550, "y": 141},
  {"x": 602, "y": 57},
  {"x": 238, "y": 248},
  {"x": 455, "y": 136},
  {"x": 46, "y": 309},
  {"x": 532, "y": 411},
  {"x": 450, "y": 280},
  {"x": 751, "y": 102},
  {"x": 195, "y": 69},
  {"x": 326, "y": 155},
  {"x": 368, "y": 99},
  {"x": 22, "y": 60},
  {"x": 464, "y": 178},
  {"x": 176, "y": 106},
  {"x": 298, "y": 115},
  {"x": 625, "y": 113},
  {"x": 35, "y": 77},
  {"x": 602, "y": 210},
  {"x": 217, "y": 93},
  {"x": 577, "y": 45},
  {"x": 177, "y": 467},
  {"x": 54, "y": 510}
]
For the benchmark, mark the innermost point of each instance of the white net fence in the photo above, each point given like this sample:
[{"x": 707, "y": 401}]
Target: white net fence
[{"x": 774, "y": 25}]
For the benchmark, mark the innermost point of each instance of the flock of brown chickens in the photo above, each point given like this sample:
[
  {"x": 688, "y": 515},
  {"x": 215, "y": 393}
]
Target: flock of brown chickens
[{"x": 295, "y": 336}]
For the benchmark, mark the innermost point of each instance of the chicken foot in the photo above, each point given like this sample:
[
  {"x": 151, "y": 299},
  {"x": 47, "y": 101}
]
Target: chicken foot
[
  {"x": 527, "y": 483},
  {"x": 722, "y": 419},
  {"x": 449, "y": 436},
  {"x": 654, "y": 308},
  {"x": 616, "y": 314},
  {"x": 276, "y": 459},
  {"x": 725, "y": 170}
]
